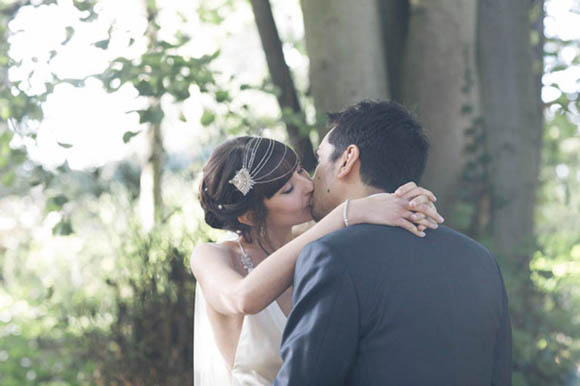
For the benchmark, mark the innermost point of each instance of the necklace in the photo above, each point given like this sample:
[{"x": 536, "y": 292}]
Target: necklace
[{"x": 245, "y": 259}]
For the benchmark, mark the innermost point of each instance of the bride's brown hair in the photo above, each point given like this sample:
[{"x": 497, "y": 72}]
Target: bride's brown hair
[{"x": 223, "y": 203}]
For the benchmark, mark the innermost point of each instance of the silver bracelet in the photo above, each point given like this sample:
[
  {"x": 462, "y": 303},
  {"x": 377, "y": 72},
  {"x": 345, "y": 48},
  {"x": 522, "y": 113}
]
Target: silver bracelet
[{"x": 345, "y": 213}]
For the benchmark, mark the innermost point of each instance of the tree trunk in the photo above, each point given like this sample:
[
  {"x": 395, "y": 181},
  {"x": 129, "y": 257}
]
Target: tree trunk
[
  {"x": 150, "y": 201},
  {"x": 347, "y": 55},
  {"x": 282, "y": 79},
  {"x": 439, "y": 85},
  {"x": 395, "y": 23},
  {"x": 538, "y": 67},
  {"x": 513, "y": 123}
]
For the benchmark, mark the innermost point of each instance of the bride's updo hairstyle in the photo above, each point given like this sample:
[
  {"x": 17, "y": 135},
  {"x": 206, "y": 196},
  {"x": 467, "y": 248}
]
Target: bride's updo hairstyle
[{"x": 223, "y": 202}]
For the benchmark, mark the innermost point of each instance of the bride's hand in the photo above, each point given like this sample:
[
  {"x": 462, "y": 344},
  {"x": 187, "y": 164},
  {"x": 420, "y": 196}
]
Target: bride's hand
[
  {"x": 410, "y": 207},
  {"x": 421, "y": 201}
]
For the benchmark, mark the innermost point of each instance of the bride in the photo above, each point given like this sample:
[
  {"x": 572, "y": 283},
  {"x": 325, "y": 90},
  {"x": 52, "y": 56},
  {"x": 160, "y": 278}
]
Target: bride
[{"x": 256, "y": 187}]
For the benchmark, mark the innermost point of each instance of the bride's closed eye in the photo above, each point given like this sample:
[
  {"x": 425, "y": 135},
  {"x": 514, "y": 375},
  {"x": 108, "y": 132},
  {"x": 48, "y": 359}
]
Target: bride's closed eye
[
  {"x": 288, "y": 190},
  {"x": 301, "y": 170}
]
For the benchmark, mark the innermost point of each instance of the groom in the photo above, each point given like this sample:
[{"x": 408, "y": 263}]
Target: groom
[{"x": 376, "y": 305}]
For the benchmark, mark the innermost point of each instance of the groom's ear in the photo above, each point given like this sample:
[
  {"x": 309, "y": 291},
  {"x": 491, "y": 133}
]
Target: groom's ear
[{"x": 348, "y": 160}]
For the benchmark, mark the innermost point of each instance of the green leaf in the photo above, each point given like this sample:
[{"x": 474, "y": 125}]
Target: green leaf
[
  {"x": 207, "y": 59},
  {"x": 85, "y": 5},
  {"x": 207, "y": 118},
  {"x": 69, "y": 34},
  {"x": 5, "y": 112},
  {"x": 54, "y": 204},
  {"x": 153, "y": 115},
  {"x": 18, "y": 156},
  {"x": 92, "y": 16},
  {"x": 166, "y": 45},
  {"x": 8, "y": 178},
  {"x": 211, "y": 16},
  {"x": 63, "y": 228},
  {"x": 5, "y": 139},
  {"x": 102, "y": 44},
  {"x": 74, "y": 82},
  {"x": 65, "y": 145},
  {"x": 180, "y": 90},
  {"x": 64, "y": 168},
  {"x": 129, "y": 134},
  {"x": 35, "y": 182},
  {"x": 182, "y": 118},
  {"x": 49, "y": 87},
  {"x": 152, "y": 58},
  {"x": 558, "y": 67},
  {"x": 222, "y": 96},
  {"x": 144, "y": 88}
]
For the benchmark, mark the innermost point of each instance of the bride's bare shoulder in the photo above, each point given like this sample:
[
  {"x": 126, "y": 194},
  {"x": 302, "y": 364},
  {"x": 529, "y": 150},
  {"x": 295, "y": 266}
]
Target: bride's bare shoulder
[{"x": 212, "y": 252}]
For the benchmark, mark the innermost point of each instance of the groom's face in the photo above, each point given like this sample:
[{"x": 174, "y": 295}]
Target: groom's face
[{"x": 326, "y": 195}]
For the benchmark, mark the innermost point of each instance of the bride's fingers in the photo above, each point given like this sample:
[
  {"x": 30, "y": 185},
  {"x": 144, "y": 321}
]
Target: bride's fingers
[
  {"x": 404, "y": 189},
  {"x": 421, "y": 228},
  {"x": 427, "y": 222},
  {"x": 423, "y": 205},
  {"x": 415, "y": 202},
  {"x": 410, "y": 227},
  {"x": 430, "y": 211},
  {"x": 417, "y": 216},
  {"x": 418, "y": 191},
  {"x": 421, "y": 219}
]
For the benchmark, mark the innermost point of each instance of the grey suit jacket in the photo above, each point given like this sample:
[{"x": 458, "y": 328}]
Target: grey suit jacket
[{"x": 376, "y": 305}]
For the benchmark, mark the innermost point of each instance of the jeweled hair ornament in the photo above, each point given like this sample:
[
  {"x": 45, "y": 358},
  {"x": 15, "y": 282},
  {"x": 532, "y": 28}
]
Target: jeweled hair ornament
[{"x": 246, "y": 177}]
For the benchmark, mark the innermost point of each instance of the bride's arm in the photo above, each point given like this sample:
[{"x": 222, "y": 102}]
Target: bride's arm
[
  {"x": 409, "y": 191},
  {"x": 230, "y": 293},
  {"x": 297, "y": 230}
]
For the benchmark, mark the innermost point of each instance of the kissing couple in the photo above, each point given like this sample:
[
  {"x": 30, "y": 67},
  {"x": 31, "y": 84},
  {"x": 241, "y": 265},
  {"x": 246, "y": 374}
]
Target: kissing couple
[{"x": 376, "y": 292}]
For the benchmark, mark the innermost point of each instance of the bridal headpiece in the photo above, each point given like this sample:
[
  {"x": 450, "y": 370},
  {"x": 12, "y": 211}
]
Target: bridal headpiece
[{"x": 247, "y": 177}]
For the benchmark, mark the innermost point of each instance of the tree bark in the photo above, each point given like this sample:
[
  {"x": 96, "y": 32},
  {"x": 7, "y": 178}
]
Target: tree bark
[
  {"x": 347, "y": 55},
  {"x": 150, "y": 195},
  {"x": 282, "y": 79},
  {"x": 538, "y": 64},
  {"x": 439, "y": 84},
  {"x": 395, "y": 23},
  {"x": 513, "y": 123}
]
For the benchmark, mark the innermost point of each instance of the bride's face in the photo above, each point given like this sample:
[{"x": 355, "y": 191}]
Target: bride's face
[{"x": 291, "y": 204}]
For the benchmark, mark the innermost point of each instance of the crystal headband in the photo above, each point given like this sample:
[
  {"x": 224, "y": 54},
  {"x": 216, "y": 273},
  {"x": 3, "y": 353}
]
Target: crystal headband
[{"x": 245, "y": 178}]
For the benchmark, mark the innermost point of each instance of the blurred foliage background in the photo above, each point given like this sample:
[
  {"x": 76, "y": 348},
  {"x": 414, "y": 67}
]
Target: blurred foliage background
[{"x": 109, "y": 109}]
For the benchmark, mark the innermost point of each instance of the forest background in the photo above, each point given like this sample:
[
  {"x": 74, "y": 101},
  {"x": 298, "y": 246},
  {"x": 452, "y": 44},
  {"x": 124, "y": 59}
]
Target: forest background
[{"x": 108, "y": 110}]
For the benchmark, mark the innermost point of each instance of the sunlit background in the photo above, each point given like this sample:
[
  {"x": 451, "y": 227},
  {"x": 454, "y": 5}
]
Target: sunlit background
[{"x": 69, "y": 222}]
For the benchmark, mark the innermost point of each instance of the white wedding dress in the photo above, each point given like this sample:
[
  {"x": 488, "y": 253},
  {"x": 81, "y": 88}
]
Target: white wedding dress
[{"x": 257, "y": 359}]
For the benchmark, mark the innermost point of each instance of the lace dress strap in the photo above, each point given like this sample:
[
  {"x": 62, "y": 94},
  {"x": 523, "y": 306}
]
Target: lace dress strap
[{"x": 245, "y": 259}]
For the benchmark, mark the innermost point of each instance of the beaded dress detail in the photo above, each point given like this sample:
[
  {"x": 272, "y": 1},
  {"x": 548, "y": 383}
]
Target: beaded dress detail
[{"x": 257, "y": 359}]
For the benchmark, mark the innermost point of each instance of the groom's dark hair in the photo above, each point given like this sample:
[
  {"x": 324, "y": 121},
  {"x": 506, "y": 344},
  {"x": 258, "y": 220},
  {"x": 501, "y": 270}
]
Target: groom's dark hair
[{"x": 393, "y": 147}]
